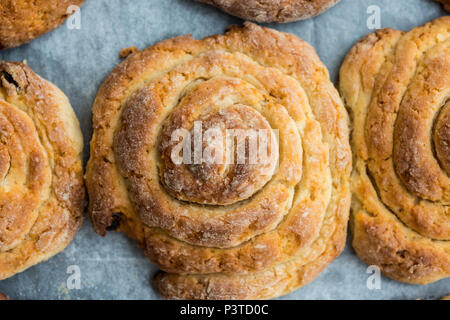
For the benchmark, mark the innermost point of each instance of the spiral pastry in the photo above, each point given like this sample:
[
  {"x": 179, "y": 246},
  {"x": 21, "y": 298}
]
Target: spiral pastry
[
  {"x": 281, "y": 11},
  {"x": 22, "y": 20},
  {"x": 41, "y": 182},
  {"x": 244, "y": 230},
  {"x": 397, "y": 86}
]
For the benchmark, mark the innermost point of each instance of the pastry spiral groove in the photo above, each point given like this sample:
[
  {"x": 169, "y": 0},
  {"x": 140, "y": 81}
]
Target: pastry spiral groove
[
  {"x": 397, "y": 86},
  {"x": 41, "y": 179},
  {"x": 224, "y": 231}
]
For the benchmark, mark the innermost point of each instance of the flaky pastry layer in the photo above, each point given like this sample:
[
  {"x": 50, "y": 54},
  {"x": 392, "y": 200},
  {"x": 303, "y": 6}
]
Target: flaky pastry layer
[
  {"x": 21, "y": 20},
  {"x": 42, "y": 193},
  {"x": 273, "y": 10}
]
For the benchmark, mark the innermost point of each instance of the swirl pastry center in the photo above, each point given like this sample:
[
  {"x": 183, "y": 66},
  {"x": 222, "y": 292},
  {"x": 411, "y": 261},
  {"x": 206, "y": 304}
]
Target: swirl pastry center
[
  {"x": 224, "y": 156},
  {"x": 441, "y": 138}
]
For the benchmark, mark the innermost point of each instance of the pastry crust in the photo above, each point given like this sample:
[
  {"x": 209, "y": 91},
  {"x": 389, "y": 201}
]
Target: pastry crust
[
  {"x": 273, "y": 10},
  {"x": 21, "y": 21},
  {"x": 397, "y": 86},
  {"x": 265, "y": 241},
  {"x": 3, "y": 296},
  {"x": 41, "y": 192}
]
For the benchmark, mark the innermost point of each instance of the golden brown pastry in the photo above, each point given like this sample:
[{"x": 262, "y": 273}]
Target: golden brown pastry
[
  {"x": 233, "y": 231},
  {"x": 273, "y": 10},
  {"x": 445, "y": 298},
  {"x": 22, "y": 20},
  {"x": 3, "y": 296},
  {"x": 397, "y": 86},
  {"x": 445, "y": 3},
  {"x": 41, "y": 182}
]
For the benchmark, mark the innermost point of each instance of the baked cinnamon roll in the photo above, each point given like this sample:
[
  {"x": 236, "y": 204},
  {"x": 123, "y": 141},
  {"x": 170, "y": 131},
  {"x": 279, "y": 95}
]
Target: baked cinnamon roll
[
  {"x": 281, "y": 11},
  {"x": 397, "y": 86},
  {"x": 41, "y": 182},
  {"x": 238, "y": 229},
  {"x": 21, "y": 20}
]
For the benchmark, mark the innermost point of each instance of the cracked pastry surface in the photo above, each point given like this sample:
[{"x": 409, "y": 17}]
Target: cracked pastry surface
[
  {"x": 233, "y": 231},
  {"x": 273, "y": 10},
  {"x": 41, "y": 181},
  {"x": 21, "y": 21},
  {"x": 397, "y": 86}
]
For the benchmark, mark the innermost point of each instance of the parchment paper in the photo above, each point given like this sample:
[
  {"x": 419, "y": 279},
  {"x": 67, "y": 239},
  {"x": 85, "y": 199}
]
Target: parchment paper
[{"x": 78, "y": 60}]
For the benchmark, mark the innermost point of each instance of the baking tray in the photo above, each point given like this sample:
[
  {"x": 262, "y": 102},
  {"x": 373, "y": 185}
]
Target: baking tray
[{"x": 78, "y": 60}]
